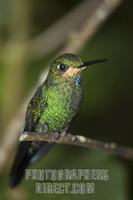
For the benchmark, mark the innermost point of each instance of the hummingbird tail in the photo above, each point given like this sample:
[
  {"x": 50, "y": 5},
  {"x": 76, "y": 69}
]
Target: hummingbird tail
[
  {"x": 16, "y": 177},
  {"x": 20, "y": 163},
  {"x": 26, "y": 156}
]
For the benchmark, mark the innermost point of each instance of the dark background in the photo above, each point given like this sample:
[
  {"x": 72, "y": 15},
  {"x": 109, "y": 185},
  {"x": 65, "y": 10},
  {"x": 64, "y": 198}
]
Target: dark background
[{"x": 107, "y": 107}]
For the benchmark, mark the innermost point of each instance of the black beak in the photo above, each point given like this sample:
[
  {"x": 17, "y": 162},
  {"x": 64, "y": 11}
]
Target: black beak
[{"x": 87, "y": 63}]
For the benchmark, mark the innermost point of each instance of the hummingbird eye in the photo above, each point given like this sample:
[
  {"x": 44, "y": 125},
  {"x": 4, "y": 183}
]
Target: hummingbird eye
[{"x": 62, "y": 67}]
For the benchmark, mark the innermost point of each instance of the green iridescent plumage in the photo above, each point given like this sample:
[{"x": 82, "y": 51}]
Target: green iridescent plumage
[
  {"x": 56, "y": 100},
  {"x": 51, "y": 109}
]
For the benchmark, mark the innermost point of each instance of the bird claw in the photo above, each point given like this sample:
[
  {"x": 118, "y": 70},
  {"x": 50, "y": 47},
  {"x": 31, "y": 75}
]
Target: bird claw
[
  {"x": 61, "y": 137},
  {"x": 56, "y": 135}
]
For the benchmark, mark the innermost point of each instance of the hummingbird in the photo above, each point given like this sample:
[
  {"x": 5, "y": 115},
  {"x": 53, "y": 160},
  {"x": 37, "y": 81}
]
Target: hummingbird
[{"x": 52, "y": 108}]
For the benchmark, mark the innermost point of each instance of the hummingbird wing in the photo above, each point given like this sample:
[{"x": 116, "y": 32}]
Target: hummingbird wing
[{"x": 30, "y": 152}]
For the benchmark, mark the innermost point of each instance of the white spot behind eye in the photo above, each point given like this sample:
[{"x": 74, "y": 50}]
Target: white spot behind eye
[{"x": 58, "y": 66}]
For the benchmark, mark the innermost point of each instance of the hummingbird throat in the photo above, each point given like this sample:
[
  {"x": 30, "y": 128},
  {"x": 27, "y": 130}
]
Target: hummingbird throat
[{"x": 77, "y": 80}]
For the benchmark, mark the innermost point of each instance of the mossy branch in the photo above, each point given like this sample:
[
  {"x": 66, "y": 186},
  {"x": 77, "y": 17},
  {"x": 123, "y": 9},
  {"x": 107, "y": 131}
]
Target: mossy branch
[{"x": 79, "y": 140}]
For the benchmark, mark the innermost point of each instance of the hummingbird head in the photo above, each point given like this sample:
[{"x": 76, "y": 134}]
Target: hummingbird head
[{"x": 68, "y": 66}]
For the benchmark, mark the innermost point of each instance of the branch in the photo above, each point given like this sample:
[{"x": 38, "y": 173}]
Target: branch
[
  {"x": 78, "y": 25},
  {"x": 78, "y": 140},
  {"x": 91, "y": 24}
]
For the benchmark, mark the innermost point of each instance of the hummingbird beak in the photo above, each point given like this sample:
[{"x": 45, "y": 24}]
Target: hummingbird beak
[
  {"x": 87, "y": 63},
  {"x": 72, "y": 71}
]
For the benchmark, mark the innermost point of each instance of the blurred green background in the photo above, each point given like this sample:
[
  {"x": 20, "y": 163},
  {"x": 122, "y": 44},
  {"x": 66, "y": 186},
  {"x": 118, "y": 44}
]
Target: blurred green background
[{"x": 107, "y": 107}]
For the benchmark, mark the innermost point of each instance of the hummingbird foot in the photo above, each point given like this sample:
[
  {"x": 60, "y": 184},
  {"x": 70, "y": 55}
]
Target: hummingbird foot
[
  {"x": 61, "y": 137},
  {"x": 43, "y": 128},
  {"x": 55, "y": 136}
]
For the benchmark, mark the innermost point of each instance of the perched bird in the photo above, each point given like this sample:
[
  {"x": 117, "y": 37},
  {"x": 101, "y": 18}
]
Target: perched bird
[{"x": 52, "y": 108}]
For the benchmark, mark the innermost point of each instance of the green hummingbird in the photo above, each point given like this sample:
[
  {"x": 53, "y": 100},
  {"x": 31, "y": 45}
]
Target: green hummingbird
[{"x": 51, "y": 109}]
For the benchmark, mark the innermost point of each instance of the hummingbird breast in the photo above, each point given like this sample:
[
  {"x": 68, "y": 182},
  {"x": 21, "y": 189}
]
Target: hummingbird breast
[{"x": 63, "y": 102}]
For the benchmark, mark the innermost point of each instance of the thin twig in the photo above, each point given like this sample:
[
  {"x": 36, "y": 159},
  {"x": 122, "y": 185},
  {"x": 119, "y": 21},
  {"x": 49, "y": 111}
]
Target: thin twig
[{"x": 78, "y": 140}]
